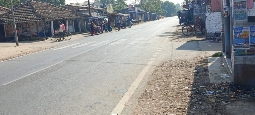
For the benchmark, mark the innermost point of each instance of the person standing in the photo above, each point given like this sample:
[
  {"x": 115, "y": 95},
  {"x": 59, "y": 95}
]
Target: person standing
[
  {"x": 92, "y": 29},
  {"x": 64, "y": 30},
  {"x": 105, "y": 25},
  {"x": 61, "y": 31},
  {"x": 118, "y": 20},
  {"x": 129, "y": 21}
]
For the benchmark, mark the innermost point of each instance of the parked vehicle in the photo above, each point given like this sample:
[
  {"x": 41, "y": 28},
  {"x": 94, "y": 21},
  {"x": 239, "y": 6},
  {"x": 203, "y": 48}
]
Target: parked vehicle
[
  {"x": 88, "y": 20},
  {"x": 183, "y": 16},
  {"x": 153, "y": 16}
]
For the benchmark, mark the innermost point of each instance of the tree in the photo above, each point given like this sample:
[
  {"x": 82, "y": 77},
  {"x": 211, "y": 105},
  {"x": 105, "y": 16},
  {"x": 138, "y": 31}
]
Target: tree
[
  {"x": 7, "y": 3},
  {"x": 119, "y": 5},
  {"x": 55, "y": 2},
  {"x": 106, "y": 2},
  {"x": 151, "y": 6},
  {"x": 178, "y": 6},
  {"x": 169, "y": 8}
]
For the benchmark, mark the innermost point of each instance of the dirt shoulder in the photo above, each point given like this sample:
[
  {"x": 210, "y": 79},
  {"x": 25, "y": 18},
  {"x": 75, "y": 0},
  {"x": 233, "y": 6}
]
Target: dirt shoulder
[
  {"x": 180, "y": 87},
  {"x": 183, "y": 87},
  {"x": 9, "y": 50}
]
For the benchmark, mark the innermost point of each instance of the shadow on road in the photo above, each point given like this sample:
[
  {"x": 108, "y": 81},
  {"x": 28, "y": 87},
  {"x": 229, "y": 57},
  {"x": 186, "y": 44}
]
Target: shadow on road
[
  {"x": 200, "y": 45},
  {"x": 177, "y": 35}
]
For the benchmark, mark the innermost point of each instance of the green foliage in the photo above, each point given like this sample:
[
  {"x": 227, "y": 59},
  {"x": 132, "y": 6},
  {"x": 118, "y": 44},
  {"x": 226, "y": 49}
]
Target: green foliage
[
  {"x": 169, "y": 8},
  {"x": 178, "y": 7},
  {"x": 151, "y": 6},
  {"x": 119, "y": 5},
  {"x": 106, "y": 2},
  {"x": 7, "y": 3},
  {"x": 55, "y": 2},
  {"x": 218, "y": 54}
]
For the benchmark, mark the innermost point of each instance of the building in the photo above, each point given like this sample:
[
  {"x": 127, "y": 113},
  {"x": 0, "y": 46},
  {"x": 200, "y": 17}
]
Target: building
[
  {"x": 3, "y": 10},
  {"x": 35, "y": 20}
]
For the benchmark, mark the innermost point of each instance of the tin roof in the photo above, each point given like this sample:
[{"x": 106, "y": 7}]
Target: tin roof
[
  {"x": 3, "y": 10},
  {"x": 36, "y": 11}
]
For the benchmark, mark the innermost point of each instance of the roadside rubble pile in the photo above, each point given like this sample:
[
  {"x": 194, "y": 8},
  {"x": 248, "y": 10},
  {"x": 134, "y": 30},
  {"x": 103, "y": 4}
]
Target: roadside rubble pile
[
  {"x": 182, "y": 87},
  {"x": 209, "y": 98}
]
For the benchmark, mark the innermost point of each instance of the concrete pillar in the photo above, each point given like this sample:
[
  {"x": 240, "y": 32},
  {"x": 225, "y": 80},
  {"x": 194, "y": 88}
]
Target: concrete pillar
[
  {"x": 5, "y": 32},
  {"x": 227, "y": 34},
  {"x": 79, "y": 24},
  {"x": 67, "y": 25},
  {"x": 73, "y": 26},
  {"x": 37, "y": 27},
  {"x": 52, "y": 28},
  {"x": 231, "y": 21}
]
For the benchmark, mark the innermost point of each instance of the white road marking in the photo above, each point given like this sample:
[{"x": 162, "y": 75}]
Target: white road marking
[
  {"x": 83, "y": 44},
  {"x": 152, "y": 59},
  {"x": 66, "y": 46},
  {"x": 159, "y": 50},
  {"x": 100, "y": 43},
  {"x": 120, "y": 106},
  {"x": 156, "y": 53},
  {"x": 31, "y": 73},
  {"x": 118, "y": 42},
  {"x": 150, "y": 41},
  {"x": 133, "y": 42}
]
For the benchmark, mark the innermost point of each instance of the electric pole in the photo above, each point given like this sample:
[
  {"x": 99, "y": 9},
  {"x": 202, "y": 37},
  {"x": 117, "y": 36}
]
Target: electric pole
[
  {"x": 15, "y": 28},
  {"x": 89, "y": 8}
]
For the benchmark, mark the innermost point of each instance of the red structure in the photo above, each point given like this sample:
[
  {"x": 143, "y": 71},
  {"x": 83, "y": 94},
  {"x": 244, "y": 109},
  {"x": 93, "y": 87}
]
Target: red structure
[{"x": 216, "y": 5}]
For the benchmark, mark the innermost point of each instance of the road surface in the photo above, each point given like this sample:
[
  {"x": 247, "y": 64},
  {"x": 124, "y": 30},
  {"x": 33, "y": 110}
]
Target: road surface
[{"x": 95, "y": 75}]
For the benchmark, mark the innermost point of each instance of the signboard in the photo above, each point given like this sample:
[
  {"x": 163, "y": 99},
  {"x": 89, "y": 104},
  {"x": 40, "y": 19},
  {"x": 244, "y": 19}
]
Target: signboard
[
  {"x": 242, "y": 38},
  {"x": 240, "y": 10}
]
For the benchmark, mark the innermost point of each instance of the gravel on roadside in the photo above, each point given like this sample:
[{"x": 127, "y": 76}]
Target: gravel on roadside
[{"x": 182, "y": 87}]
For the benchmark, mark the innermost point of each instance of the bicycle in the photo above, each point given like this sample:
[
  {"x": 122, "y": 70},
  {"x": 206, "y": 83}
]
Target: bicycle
[{"x": 189, "y": 29}]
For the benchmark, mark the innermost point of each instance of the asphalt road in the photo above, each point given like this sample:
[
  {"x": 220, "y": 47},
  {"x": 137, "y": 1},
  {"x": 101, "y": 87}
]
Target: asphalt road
[{"x": 93, "y": 75}]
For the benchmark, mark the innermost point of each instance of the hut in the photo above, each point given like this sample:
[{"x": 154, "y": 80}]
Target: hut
[
  {"x": 81, "y": 24},
  {"x": 35, "y": 20},
  {"x": 3, "y": 10}
]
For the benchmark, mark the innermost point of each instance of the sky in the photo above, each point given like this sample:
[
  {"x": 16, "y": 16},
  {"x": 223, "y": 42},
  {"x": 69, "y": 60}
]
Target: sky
[{"x": 129, "y": 1}]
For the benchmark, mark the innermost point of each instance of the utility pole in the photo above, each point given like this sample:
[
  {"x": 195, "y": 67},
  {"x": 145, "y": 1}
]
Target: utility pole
[
  {"x": 15, "y": 28},
  {"x": 227, "y": 32},
  {"x": 89, "y": 8}
]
